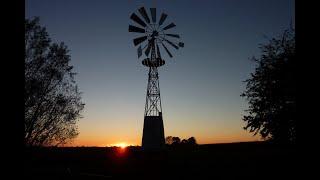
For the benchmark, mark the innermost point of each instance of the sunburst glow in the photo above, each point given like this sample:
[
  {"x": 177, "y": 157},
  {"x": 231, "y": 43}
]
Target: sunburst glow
[{"x": 121, "y": 145}]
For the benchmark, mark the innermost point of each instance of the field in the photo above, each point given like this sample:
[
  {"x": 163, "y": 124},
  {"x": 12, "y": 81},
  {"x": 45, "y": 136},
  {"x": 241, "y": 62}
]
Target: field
[{"x": 213, "y": 161}]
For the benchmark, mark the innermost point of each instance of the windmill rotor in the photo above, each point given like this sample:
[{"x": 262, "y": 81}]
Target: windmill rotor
[{"x": 154, "y": 34}]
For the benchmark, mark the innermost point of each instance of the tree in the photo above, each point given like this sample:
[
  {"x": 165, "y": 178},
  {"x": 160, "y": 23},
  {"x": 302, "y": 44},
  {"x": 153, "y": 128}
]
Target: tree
[
  {"x": 184, "y": 142},
  {"x": 192, "y": 141},
  {"x": 52, "y": 99},
  {"x": 271, "y": 91},
  {"x": 176, "y": 141},
  {"x": 172, "y": 140},
  {"x": 169, "y": 140}
]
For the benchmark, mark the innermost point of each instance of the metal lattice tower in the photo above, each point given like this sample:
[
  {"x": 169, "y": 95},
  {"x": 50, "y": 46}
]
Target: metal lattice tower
[
  {"x": 155, "y": 34},
  {"x": 153, "y": 99}
]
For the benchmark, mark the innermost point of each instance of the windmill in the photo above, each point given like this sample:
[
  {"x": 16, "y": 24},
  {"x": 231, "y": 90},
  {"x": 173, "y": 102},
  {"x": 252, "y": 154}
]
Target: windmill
[{"x": 153, "y": 36}]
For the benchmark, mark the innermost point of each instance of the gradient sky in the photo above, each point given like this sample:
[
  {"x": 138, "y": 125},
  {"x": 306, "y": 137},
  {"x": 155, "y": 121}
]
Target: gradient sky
[{"x": 200, "y": 86}]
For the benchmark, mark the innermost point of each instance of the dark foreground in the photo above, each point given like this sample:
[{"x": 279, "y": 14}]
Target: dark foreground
[{"x": 214, "y": 161}]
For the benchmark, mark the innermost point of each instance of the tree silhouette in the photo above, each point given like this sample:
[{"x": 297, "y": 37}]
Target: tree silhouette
[
  {"x": 271, "y": 91},
  {"x": 176, "y": 141},
  {"x": 169, "y": 140},
  {"x": 52, "y": 100},
  {"x": 184, "y": 141},
  {"x": 192, "y": 141}
]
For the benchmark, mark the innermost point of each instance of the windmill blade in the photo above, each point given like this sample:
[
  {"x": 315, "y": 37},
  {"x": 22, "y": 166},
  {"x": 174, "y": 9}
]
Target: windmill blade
[
  {"x": 167, "y": 50},
  {"x": 144, "y": 14},
  {"x": 173, "y": 35},
  {"x": 158, "y": 52},
  {"x": 169, "y": 26},
  {"x": 172, "y": 44},
  {"x": 136, "y": 19},
  {"x": 162, "y": 18},
  {"x": 139, "y": 52},
  {"x": 153, "y": 14},
  {"x": 136, "y": 29},
  {"x": 148, "y": 49},
  {"x": 139, "y": 40}
]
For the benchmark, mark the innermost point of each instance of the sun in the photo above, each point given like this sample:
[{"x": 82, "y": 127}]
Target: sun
[{"x": 122, "y": 145}]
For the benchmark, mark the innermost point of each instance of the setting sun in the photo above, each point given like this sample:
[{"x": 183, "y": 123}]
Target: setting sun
[{"x": 121, "y": 145}]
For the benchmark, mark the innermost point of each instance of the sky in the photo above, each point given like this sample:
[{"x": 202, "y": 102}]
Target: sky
[{"x": 200, "y": 86}]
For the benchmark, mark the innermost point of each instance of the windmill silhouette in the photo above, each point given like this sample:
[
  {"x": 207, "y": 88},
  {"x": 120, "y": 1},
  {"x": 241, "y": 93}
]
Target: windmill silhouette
[{"x": 154, "y": 34}]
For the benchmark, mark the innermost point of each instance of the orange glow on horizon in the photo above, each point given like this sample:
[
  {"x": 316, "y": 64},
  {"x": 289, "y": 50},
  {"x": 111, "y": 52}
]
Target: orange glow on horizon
[
  {"x": 103, "y": 142},
  {"x": 121, "y": 145},
  {"x": 124, "y": 136}
]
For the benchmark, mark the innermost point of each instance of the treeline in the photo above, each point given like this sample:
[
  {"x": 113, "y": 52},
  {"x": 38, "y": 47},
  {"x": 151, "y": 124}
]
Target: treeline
[{"x": 176, "y": 141}]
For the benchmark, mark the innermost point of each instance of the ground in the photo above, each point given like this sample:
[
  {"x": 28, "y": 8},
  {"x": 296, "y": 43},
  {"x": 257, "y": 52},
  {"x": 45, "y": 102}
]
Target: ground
[{"x": 253, "y": 160}]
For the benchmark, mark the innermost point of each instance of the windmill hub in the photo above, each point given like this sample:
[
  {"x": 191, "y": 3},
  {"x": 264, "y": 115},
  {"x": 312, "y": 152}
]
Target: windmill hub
[{"x": 153, "y": 35}]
